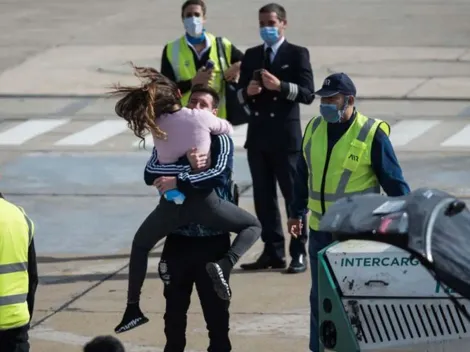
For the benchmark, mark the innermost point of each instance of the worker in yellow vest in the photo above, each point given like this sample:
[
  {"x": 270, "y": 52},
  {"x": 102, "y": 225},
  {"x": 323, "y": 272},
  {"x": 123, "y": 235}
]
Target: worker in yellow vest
[
  {"x": 344, "y": 153},
  {"x": 184, "y": 60},
  {"x": 18, "y": 277}
]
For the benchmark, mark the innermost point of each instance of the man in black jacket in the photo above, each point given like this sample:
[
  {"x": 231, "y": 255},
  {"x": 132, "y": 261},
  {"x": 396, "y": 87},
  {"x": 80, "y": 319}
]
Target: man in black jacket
[
  {"x": 275, "y": 77},
  {"x": 188, "y": 249}
]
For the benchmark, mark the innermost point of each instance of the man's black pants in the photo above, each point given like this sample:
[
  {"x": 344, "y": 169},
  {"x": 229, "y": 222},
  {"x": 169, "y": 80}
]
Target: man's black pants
[
  {"x": 266, "y": 168},
  {"x": 14, "y": 340},
  {"x": 183, "y": 264}
]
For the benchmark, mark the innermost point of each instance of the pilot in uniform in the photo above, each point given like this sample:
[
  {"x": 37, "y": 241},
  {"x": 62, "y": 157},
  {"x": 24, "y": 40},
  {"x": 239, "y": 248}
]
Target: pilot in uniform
[{"x": 275, "y": 78}]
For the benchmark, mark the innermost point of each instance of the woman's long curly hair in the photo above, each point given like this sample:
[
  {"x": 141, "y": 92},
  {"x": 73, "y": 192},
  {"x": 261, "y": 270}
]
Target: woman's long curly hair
[{"x": 142, "y": 105}]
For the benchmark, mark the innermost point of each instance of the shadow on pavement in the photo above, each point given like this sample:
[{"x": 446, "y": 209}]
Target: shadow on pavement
[
  {"x": 69, "y": 279},
  {"x": 47, "y": 280},
  {"x": 49, "y": 260}
]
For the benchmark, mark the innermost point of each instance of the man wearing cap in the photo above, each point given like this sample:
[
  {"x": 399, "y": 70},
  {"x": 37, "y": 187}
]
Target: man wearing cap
[{"x": 344, "y": 153}]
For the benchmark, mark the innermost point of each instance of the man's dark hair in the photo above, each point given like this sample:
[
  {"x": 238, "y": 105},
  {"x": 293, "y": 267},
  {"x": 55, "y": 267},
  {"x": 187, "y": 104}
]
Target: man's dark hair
[
  {"x": 104, "y": 344},
  {"x": 193, "y": 2},
  {"x": 276, "y": 8},
  {"x": 207, "y": 90}
]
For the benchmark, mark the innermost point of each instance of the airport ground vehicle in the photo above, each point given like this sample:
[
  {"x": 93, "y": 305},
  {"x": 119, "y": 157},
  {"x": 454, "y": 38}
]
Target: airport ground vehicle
[{"x": 408, "y": 289}]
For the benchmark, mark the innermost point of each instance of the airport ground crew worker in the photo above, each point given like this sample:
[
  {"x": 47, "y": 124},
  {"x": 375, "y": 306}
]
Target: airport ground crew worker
[
  {"x": 18, "y": 277},
  {"x": 184, "y": 60},
  {"x": 344, "y": 153}
]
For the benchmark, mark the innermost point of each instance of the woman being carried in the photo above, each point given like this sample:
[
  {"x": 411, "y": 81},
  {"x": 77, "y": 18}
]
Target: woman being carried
[{"x": 155, "y": 106}]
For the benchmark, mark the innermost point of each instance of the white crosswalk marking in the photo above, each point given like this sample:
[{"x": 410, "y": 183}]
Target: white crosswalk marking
[
  {"x": 113, "y": 134},
  {"x": 406, "y": 130},
  {"x": 28, "y": 130},
  {"x": 460, "y": 139},
  {"x": 239, "y": 135},
  {"x": 94, "y": 134}
]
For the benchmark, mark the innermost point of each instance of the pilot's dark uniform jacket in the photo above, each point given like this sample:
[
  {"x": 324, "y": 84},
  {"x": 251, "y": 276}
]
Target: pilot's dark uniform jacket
[
  {"x": 188, "y": 250},
  {"x": 274, "y": 123},
  {"x": 274, "y": 138}
]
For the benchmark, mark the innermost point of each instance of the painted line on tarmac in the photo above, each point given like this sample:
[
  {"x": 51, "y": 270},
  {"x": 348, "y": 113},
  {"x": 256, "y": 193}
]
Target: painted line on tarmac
[{"x": 51, "y": 335}]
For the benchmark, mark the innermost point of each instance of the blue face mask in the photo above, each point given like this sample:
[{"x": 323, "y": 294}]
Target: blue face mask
[
  {"x": 270, "y": 35},
  {"x": 331, "y": 113},
  {"x": 194, "y": 26}
]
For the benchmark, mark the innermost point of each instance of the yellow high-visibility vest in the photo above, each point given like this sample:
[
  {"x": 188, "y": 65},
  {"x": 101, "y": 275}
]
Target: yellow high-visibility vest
[
  {"x": 16, "y": 234},
  {"x": 348, "y": 170},
  {"x": 180, "y": 56}
]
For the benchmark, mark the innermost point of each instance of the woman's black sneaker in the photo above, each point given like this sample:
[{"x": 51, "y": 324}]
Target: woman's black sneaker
[
  {"x": 221, "y": 285},
  {"x": 133, "y": 317}
]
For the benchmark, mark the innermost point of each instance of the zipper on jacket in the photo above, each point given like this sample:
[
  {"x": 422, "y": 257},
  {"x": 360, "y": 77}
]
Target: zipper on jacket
[
  {"x": 327, "y": 161},
  {"x": 323, "y": 180}
]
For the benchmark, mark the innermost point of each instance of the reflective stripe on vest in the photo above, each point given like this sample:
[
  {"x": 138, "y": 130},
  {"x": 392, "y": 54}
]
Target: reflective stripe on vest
[
  {"x": 366, "y": 133},
  {"x": 12, "y": 299},
  {"x": 180, "y": 55},
  {"x": 16, "y": 234}
]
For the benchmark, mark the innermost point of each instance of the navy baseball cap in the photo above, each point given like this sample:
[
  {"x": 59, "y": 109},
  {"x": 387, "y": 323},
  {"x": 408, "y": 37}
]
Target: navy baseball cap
[{"x": 337, "y": 83}]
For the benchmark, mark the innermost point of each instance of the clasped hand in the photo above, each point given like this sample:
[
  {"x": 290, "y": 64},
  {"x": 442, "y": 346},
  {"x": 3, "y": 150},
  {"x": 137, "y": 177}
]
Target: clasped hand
[
  {"x": 268, "y": 81},
  {"x": 198, "y": 161},
  {"x": 294, "y": 226},
  {"x": 165, "y": 183},
  {"x": 202, "y": 77}
]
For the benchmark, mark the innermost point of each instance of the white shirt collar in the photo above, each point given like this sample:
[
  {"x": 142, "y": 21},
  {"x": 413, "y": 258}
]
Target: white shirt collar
[
  {"x": 208, "y": 46},
  {"x": 276, "y": 46}
]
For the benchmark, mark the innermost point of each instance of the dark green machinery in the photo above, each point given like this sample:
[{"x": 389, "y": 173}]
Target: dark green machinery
[{"x": 373, "y": 297}]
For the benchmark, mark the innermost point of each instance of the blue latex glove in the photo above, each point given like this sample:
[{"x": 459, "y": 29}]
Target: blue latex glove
[{"x": 173, "y": 195}]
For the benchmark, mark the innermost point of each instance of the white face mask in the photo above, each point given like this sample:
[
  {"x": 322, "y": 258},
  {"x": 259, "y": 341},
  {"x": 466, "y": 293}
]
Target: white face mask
[{"x": 193, "y": 26}]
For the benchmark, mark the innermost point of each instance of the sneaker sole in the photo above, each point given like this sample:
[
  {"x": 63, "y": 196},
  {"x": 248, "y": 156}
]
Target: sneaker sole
[
  {"x": 221, "y": 287},
  {"x": 132, "y": 325}
]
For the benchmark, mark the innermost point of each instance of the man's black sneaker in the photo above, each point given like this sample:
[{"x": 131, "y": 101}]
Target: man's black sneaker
[
  {"x": 221, "y": 285},
  {"x": 133, "y": 317}
]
